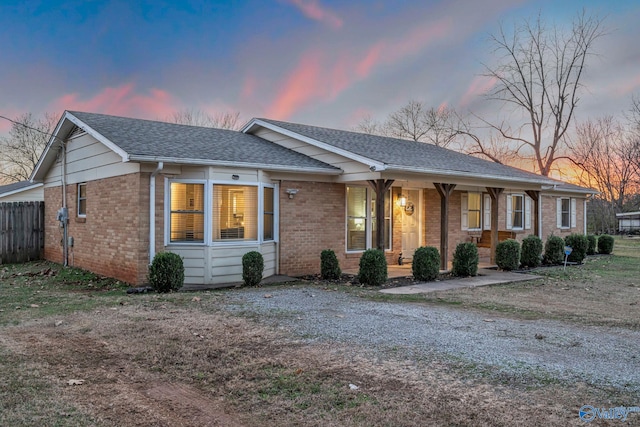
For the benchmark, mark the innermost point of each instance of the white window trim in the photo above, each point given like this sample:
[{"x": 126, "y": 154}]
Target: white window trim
[
  {"x": 208, "y": 212},
  {"x": 79, "y": 215},
  {"x": 573, "y": 220},
  {"x": 368, "y": 220},
  {"x": 526, "y": 212},
  {"x": 485, "y": 211}
]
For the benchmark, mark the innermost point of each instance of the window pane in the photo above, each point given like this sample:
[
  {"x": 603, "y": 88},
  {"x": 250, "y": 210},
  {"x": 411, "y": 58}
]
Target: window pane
[
  {"x": 566, "y": 213},
  {"x": 187, "y": 212},
  {"x": 517, "y": 212},
  {"x": 473, "y": 209},
  {"x": 268, "y": 214},
  {"x": 356, "y": 218},
  {"x": 82, "y": 207},
  {"x": 235, "y": 212}
]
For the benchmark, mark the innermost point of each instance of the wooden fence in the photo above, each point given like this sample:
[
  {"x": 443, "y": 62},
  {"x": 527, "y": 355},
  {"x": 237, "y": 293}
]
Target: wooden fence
[{"x": 21, "y": 232}]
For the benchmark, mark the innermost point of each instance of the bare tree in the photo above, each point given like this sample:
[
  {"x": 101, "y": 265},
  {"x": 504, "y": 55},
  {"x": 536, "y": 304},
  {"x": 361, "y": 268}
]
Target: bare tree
[
  {"x": 605, "y": 152},
  {"x": 21, "y": 149},
  {"x": 416, "y": 122},
  {"x": 538, "y": 73},
  {"x": 200, "y": 118}
]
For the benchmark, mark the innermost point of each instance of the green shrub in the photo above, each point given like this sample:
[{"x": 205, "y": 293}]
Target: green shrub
[
  {"x": 605, "y": 244},
  {"x": 252, "y": 268},
  {"x": 579, "y": 245},
  {"x": 593, "y": 244},
  {"x": 373, "y": 268},
  {"x": 166, "y": 272},
  {"x": 329, "y": 266},
  {"x": 465, "y": 260},
  {"x": 508, "y": 254},
  {"x": 554, "y": 250},
  {"x": 426, "y": 263},
  {"x": 531, "y": 255}
]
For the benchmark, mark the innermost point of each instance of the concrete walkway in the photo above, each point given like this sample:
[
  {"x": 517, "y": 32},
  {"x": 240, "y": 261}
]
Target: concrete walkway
[{"x": 485, "y": 277}]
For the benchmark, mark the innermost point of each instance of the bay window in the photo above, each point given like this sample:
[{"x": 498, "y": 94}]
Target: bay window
[{"x": 187, "y": 212}]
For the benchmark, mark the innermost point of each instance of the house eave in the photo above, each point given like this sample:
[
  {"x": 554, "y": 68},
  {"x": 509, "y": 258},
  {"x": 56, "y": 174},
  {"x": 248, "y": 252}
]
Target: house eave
[
  {"x": 20, "y": 190},
  {"x": 248, "y": 165},
  {"x": 374, "y": 165}
]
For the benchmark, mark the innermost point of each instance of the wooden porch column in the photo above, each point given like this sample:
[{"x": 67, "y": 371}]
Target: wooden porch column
[
  {"x": 444, "y": 190},
  {"x": 535, "y": 195},
  {"x": 495, "y": 194},
  {"x": 381, "y": 187}
]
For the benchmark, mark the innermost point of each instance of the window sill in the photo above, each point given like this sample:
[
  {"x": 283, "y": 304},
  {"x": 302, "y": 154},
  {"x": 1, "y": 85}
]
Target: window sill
[{"x": 81, "y": 220}]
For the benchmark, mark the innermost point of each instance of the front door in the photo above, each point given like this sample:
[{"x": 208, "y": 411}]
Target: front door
[{"x": 411, "y": 224}]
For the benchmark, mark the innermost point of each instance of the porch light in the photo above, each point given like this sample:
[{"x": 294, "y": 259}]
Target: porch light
[{"x": 402, "y": 200}]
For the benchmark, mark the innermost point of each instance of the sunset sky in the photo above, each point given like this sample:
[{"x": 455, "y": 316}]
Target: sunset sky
[{"x": 321, "y": 62}]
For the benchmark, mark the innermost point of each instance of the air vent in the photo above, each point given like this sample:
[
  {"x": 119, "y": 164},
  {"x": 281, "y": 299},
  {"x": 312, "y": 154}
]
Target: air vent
[{"x": 76, "y": 132}]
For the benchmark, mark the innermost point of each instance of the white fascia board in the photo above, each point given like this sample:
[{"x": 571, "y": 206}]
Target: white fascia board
[
  {"x": 110, "y": 145},
  {"x": 625, "y": 214},
  {"x": 47, "y": 149},
  {"x": 200, "y": 162},
  {"x": 20, "y": 190},
  {"x": 466, "y": 175},
  {"x": 328, "y": 147}
]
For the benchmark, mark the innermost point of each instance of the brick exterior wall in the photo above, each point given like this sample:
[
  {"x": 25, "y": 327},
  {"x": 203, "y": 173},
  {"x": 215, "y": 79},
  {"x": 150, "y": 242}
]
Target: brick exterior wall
[
  {"x": 549, "y": 212},
  {"x": 113, "y": 238}
]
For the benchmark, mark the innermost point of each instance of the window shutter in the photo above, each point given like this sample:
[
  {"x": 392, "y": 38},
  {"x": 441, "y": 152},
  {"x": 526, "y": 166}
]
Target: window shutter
[
  {"x": 509, "y": 213},
  {"x": 527, "y": 213},
  {"x": 573, "y": 213},
  {"x": 464, "y": 211},
  {"x": 559, "y": 213},
  {"x": 487, "y": 212}
]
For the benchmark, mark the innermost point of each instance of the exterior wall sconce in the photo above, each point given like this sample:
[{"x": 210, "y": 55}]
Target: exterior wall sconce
[
  {"x": 292, "y": 192},
  {"x": 402, "y": 200}
]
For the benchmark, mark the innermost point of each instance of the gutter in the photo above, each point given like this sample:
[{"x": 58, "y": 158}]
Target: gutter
[{"x": 152, "y": 211}]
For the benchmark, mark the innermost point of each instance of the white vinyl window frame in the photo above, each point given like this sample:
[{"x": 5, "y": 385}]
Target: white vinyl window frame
[
  {"x": 368, "y": 219},
  {"x": 208, "y": 213},
  {"x": 525, "y": 212},
  {"x": 484, "y": 212},
  {"x": 566, "y": 213},
  {"x": 81, "y": 208}
]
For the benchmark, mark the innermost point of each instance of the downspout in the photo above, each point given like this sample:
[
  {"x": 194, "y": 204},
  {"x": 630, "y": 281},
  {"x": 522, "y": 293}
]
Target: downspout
[
  {"x": 65, "y": 221},
  {"x": 152, "y": 211},
  {"x": 584, "y": 216}
]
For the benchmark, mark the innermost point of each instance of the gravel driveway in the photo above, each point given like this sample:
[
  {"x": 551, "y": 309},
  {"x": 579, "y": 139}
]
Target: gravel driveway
[{"x": 517, "y": 349}]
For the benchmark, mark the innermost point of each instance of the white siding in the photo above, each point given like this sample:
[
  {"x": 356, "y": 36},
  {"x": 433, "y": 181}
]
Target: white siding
[
  {"x": 193, "y": 259},
  {"x": 347, "y": 165},
  {"x": 88, "y": 160},
  {"x": 33, "y": 195}
]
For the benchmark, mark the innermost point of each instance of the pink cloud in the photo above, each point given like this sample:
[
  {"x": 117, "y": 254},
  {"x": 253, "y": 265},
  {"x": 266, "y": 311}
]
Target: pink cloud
[
  {"x": 248, "y": 86},
  {"x": 479, "y": 86},
  {"x": 122, "y": 101},
  {"x": 628, "y": 86},
  {"x": 313, "y": 10}
]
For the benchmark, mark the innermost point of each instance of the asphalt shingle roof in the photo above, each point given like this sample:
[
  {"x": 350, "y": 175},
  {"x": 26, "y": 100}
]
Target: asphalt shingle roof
[
  {"x": 163, "y": 140},
  {"x": 15, "y": 186},
  {"x": 404, "y": 154}
]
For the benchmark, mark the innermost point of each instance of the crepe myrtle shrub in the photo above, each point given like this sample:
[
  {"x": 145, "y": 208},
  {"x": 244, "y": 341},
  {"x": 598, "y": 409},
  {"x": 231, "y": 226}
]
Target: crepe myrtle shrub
[
  {"x": 426, "y": 263},
  {"x": 508, "y": 255},
  {"x": 605, "y": 244},
  {"x": 166, "y": 272},
  {"x": 593, "y": 244},
  {"x": 329, "y": 266},
  {"x": 373, "y": 268},
  {"x": 531, "y": 254},
  {"x": 465, "y": 260},
  {"x": 554, "y": 250},
  {"x": 252, "y": 268},
  {"x": 579, "y": 245}
]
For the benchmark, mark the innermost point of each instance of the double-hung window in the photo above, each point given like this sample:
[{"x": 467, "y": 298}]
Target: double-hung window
[
  {"x": 82, "y": 200},
  {"x": 187, "y": 212},
  {"x": 361, "y": 219},
  {"x": 566, "y": 211},
  {"x": 235, "y": 212},
  {"x": 476, "y": 211},
  {"x": 518, "y": 212}
]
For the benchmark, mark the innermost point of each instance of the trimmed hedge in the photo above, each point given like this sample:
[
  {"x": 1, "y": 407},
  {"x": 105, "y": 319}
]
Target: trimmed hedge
[
  {"x": 508, "y": 254},
  {"x": 605, "y": 244},
  {"x": 554, "y": 250},
  {"x": 252, "y": 268},
  {"x": 426, "y": 263},
  {"x": 593, "y": 244},
  {"x": 465, "y": 260},
  {"x": 531, "y": 255},
  {"x": 579, "y": 245},
  {"x": 166, "y": 272},
  {"x": 329, "y": 266},
  {"x": 373, "y": 268}
]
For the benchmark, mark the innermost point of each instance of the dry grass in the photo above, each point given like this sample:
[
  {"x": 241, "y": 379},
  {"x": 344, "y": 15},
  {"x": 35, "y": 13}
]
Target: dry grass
[{"x": 180, "y": 359}]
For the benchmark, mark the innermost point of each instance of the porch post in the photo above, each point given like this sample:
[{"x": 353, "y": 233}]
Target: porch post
[
  {"x": 535, "y": 195},
  {"x": 444, "y": 190},
  {"x": 495, "y": 194},
  {"x": 381, "y": 187}
]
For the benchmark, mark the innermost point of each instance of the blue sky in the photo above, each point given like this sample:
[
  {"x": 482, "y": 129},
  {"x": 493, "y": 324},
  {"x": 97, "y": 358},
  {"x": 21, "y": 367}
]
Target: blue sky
[{"x": 322, "y": 62}]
